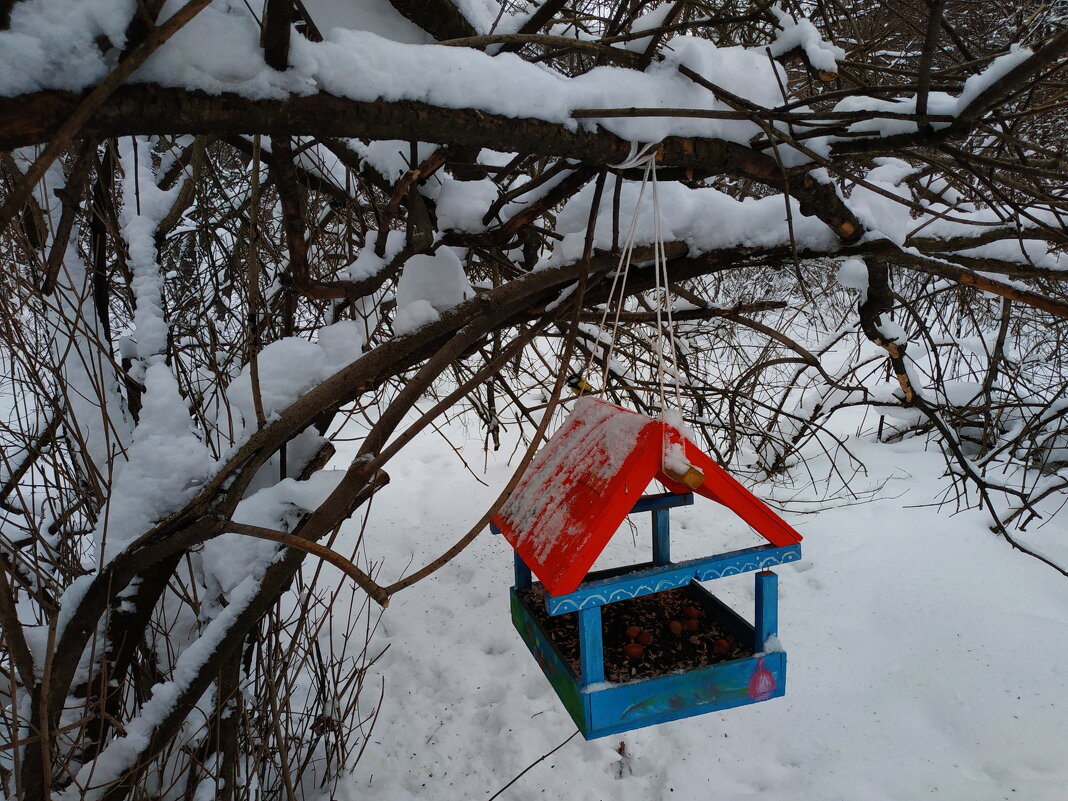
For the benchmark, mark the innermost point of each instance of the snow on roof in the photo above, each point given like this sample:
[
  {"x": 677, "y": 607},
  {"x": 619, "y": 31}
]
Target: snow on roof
[{"x": 588, "y": 476}]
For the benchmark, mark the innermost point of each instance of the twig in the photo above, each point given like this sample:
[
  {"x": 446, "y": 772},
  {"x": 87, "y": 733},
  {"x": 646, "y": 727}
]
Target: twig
[
  {"x": 525, "y": 770},
  {"x": 366, "y": 583},
  {"x": 81, "y": 114}
]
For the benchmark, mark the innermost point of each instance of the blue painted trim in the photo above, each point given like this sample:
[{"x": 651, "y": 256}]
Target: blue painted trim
[
  {"x": 669, "y": 577},
  {"x": 561, "y": 678},
  {"x": 623, "y": 707},
  {"x": 749, "y": 559},
  {"x": 494, "y": 529},
  {"x": 523, "y": 579},
  {"x": 661, "y": 537},
  {"x": 767, "y": 608},
  {"x": 591, "y": 646},
  {"x": 665, "y": 500},
  {"x": 607, "y": 709}
]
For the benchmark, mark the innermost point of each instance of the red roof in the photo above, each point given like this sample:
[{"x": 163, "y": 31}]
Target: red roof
[{"x": 587, "y": 477}]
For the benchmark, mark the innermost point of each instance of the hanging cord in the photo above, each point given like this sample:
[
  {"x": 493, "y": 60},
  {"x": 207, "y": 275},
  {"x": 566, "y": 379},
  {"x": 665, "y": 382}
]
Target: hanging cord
[
  {"x": 619, "y": 280},
  {"x": 636, "y": 157},
  {"x": 665, "y": 324},
  {"x": 664, "y": 304},
  {"x": 664, "y": 315}
]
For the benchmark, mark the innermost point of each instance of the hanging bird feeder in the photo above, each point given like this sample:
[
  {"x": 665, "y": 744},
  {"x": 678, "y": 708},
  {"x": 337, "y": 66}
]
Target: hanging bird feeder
[{"x": 606, "y": 640}]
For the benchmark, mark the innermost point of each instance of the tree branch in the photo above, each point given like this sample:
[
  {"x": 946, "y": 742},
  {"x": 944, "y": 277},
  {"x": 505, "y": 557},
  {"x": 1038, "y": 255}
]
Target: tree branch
[
  {"x": 146, "y": 109},
  {"x": 83, "y": 111},
  {"x": 440, "y": 18}
]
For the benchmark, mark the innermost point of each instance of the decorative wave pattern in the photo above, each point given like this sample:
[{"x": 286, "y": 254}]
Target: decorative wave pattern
[
  {"x": 620, "y": 594},
  {"x": 635, "y": 587},
  {"x": 734, "y": 568}
]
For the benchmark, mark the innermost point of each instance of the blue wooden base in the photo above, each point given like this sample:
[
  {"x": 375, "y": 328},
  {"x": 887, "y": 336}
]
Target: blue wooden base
[{"x": 603, "y": 708}]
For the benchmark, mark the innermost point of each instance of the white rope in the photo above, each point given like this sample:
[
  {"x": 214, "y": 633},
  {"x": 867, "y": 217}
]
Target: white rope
[
  {"x": 636, "y": 158},
  {"x": 664, "y": 304},
  {"x": 645, "y": 157},
  {"x": 663, "y": 310},
  {"x": 622, "y": 272}
]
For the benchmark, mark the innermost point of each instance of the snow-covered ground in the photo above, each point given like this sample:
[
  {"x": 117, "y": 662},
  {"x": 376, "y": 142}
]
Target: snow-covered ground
[{"x": 926, "y": 657}]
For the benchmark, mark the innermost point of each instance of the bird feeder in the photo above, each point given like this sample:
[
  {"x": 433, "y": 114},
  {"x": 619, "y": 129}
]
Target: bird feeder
[{"x": 595, "y": 635}]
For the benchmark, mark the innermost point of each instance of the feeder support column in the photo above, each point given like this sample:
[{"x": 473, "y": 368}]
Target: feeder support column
[
  {"x": 591, "y": 649},
  {"x": 767, "y": 607},
  {"x": 522, "y": 573},
  {"x": 661, "y": 537}
]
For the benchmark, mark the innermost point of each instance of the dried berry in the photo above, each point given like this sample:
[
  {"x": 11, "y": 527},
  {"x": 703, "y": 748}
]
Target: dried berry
[
  {"x": 675, "y": 627},
  {"x": 633, "y": 650},
  {"x": 721, "y": 647},
  {"x": 691, "y": 612},
  {"x": 691, "y": 625},
  {"x": 633, "y": 632},
  {"x": 645, "y": 637}
]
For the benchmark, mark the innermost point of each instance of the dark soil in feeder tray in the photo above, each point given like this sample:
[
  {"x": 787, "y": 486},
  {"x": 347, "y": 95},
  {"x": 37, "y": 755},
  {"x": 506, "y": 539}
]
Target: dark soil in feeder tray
[{"x": 652, "y": 635}]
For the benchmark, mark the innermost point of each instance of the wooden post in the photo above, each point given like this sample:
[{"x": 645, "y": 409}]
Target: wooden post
[
  {"x": 767, "y": 607},
  {"x": 522, "y": 573},
  {"x": 591, "y": 649},
  {"x": 661, "y": 537}
]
